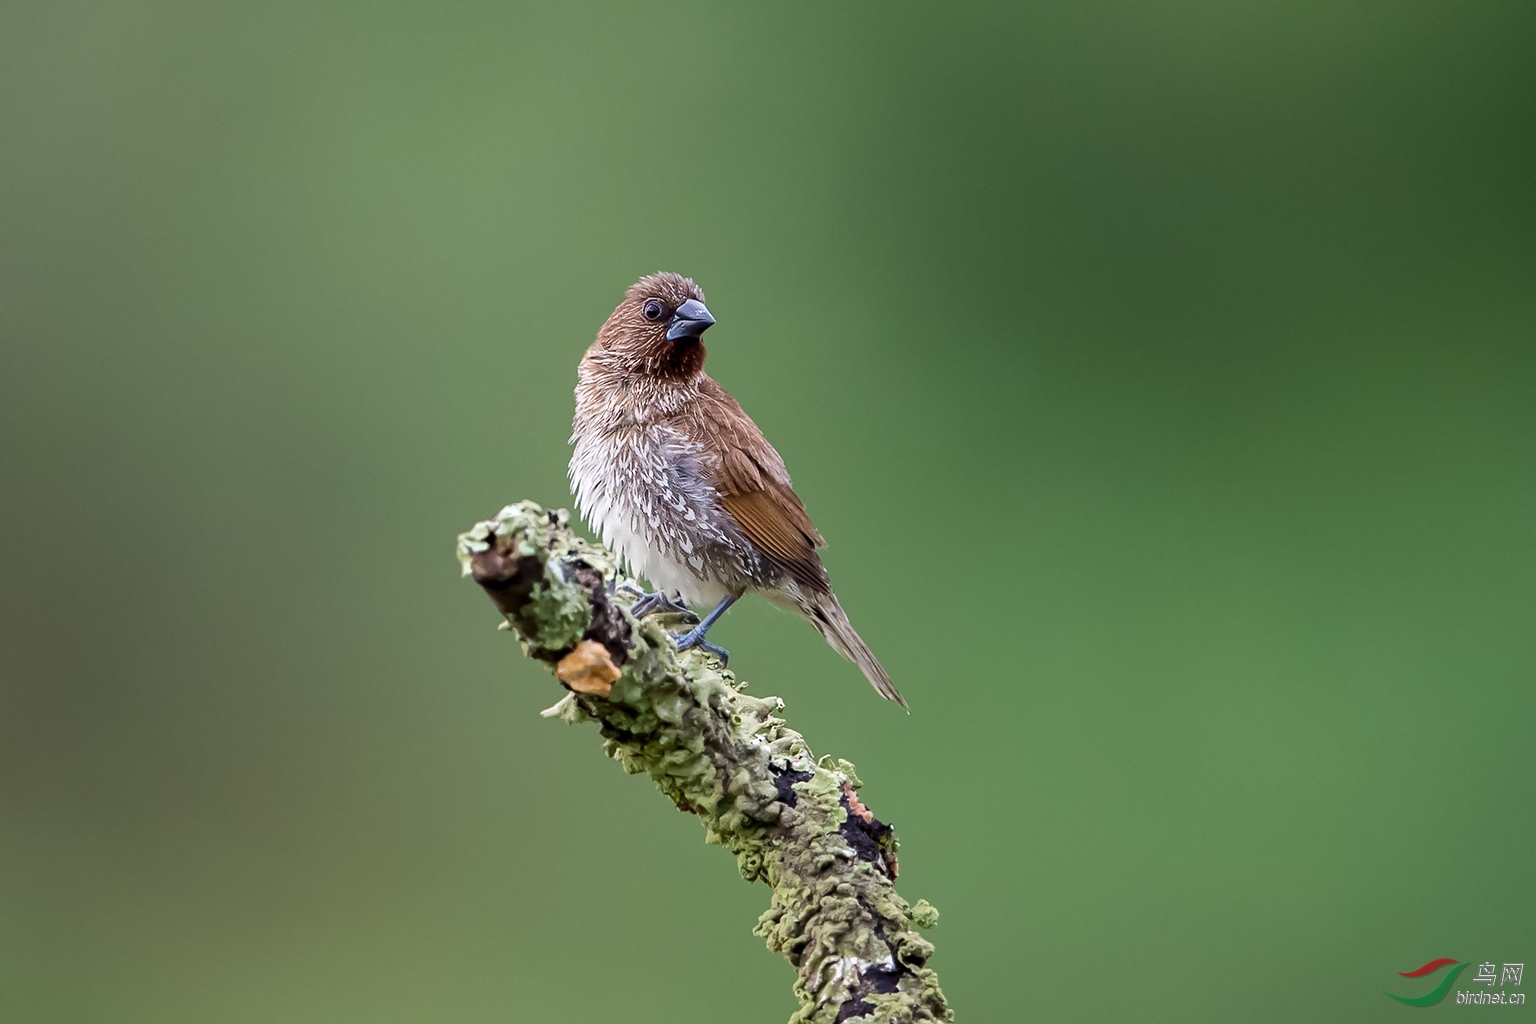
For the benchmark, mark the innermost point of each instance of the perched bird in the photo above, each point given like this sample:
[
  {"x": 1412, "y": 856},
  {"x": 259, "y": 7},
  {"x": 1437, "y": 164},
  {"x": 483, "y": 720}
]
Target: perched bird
[{"x": 678, "y": 480}]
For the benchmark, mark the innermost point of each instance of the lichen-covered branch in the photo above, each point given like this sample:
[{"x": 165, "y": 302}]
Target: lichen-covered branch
[{"x": 792, "y": 821}]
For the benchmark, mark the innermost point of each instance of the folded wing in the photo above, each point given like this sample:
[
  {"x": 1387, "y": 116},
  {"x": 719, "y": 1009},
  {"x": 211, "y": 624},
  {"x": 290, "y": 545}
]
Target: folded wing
[{"x": 754, "y": 487}]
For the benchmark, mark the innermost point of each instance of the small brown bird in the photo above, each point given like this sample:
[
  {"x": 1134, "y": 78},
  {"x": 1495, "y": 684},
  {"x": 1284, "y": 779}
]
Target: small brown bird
[{"x": 679, "y": 481}]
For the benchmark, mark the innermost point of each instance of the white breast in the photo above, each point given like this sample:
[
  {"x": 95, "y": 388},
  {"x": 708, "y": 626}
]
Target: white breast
[{"x": 635, "y": 490}]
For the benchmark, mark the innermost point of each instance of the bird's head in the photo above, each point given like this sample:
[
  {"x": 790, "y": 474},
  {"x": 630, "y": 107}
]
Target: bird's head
[{"x": 658, "y": 326}]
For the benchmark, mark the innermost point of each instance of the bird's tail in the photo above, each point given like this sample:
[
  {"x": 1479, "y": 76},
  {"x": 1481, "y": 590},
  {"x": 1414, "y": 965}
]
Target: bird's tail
[{"x": 831, "y": 621}]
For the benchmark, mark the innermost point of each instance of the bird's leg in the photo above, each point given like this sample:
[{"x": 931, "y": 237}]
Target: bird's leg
[
  {"x": 661, "y": 602},
  {"x": 695, "y": 636}
]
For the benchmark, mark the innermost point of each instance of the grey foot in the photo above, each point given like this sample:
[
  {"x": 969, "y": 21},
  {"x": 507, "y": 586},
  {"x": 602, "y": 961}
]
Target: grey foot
[
  {"x": 695, "y": 638},
  {"x": 660, "y": 602}
]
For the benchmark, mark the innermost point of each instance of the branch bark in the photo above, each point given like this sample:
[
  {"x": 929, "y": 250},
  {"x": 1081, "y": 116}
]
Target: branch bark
[{"x": 793, "y": 821}]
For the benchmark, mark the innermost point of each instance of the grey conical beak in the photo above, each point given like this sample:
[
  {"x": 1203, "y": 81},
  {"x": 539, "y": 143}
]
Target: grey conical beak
[{"x": 691, "y": 320}]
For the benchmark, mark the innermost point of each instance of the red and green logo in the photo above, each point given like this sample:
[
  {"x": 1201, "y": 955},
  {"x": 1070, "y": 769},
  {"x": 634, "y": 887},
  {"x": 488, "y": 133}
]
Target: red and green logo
[{"x": 1437, "y": 993}]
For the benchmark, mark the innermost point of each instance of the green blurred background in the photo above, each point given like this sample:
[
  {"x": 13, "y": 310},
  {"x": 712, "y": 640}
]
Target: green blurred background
[{"x": 1162, "y": 374}]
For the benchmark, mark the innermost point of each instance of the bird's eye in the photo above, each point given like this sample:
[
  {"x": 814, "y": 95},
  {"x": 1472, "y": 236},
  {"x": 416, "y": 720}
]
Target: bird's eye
[{"x": 653, "y": 310}]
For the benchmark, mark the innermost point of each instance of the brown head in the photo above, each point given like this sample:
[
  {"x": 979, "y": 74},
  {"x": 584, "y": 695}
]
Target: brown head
[{"x": 657, "y": 329}]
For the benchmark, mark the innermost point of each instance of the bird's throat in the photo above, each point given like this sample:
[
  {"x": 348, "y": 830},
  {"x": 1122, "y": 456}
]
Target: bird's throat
[{"x": 680, "y": 360}]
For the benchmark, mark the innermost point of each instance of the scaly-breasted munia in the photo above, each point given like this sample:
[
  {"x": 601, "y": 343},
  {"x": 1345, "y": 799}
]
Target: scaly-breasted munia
[{"x": 680, "y": 482}]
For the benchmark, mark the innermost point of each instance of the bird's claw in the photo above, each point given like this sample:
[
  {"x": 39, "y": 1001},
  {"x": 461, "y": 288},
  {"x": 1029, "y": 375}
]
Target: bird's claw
[
  {"x": 695, "y": 638},
  {"x": 661, "y": 602}
]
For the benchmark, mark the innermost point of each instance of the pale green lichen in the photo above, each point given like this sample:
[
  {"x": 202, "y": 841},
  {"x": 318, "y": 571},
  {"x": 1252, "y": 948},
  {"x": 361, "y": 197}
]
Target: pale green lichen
[
  {"x": 567, "y": 710},
  {"x": 562, "y": 614},
  {"x": 724, "y": 755}
]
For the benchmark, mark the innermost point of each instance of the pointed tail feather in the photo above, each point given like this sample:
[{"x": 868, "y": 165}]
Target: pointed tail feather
[{"x": 831, "y": 621}]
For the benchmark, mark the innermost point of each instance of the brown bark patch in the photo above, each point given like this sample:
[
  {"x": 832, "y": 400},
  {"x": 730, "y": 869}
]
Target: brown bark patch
[
  {"x": 854, "y": 804},
  {"x": 589, "y": 668}
]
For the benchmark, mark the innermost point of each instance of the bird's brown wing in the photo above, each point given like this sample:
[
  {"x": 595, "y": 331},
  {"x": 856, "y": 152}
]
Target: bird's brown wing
[{"x": 754, "y": 486}]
